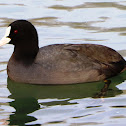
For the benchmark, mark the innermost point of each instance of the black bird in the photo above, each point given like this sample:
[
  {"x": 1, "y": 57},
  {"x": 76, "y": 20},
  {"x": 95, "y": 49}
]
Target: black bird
[{"x": 58, "y": 63}]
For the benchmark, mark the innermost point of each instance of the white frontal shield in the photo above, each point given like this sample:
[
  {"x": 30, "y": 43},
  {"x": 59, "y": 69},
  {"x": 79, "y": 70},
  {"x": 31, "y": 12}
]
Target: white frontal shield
[{"x": 6, "y": 39}]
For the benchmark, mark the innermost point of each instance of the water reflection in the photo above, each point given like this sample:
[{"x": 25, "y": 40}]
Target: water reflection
[
  {"x": 90, "y": 5},
  {"x": 23, "y": 106},
  {"x": 75, "y": 91},
  {"x": 27, "y": 96}
]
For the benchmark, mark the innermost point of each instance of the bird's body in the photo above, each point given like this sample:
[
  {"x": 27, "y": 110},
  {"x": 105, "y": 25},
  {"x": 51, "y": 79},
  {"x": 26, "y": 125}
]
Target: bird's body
[
  {"x": 59, "y": 63},
  {"x": 67, "y": 64}
]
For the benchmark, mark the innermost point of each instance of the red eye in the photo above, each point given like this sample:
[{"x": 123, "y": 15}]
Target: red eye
[{"x": 16, "y": 31}]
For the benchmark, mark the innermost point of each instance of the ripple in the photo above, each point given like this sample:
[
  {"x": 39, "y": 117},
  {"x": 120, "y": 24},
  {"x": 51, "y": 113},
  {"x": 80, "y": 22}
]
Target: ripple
[
  {"x": 90, "y": 5},
  {"x": 119, "y": 106},
  {"x": 4, "y": 21},
  {"x": 121, "y": 116}
]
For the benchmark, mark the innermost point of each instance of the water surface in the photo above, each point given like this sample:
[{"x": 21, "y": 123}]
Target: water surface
[{"x": 65, "y": 21}]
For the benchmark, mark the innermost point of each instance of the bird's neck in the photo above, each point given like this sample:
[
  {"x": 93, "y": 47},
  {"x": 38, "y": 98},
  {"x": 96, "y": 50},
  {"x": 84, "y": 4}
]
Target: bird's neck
[{"x": 25, "y": 54}]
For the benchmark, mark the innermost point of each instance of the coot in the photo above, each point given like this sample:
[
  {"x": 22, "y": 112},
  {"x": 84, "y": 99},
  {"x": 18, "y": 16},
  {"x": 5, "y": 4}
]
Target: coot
[{"x": 57, "y": 63}]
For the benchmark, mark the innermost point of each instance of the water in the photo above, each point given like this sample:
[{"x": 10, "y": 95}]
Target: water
[{"x": 65, "y": 21}]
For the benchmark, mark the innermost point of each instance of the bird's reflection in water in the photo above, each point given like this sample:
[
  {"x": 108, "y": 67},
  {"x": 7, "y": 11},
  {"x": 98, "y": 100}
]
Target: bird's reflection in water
[
  {"x": 23, "y": 106},
  {"x": 26, "y": 95}
]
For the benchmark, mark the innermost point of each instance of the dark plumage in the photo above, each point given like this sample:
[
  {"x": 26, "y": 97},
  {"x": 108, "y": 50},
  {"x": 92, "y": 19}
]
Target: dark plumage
[{"x": 59, "y": 63}]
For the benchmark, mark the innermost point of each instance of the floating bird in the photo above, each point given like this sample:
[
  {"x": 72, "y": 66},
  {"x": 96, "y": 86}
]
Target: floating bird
[{"x": 57, "y": 63}]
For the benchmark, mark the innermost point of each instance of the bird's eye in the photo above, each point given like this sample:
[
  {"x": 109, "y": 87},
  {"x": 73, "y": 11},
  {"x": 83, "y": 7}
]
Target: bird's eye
[{"x": 15, "y": 31}]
